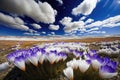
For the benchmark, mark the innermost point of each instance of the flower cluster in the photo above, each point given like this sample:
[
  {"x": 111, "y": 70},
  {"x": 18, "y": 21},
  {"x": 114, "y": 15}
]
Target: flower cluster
[
  {"x": 51, "y": 59},
  {"x": 35, "y": 55},
  {"x": 92, "y": 65}
]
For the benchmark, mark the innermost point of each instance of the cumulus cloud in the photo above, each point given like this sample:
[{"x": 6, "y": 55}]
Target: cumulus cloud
[
  {"x": 71, "y": 26},
  {"x": 89, "y": 26},
  {"x": 43, "y": 32},
  {"x": 89, "y": 21},
  {"x": 19, "y": 20},
  {"x": 96, "y": 32},
  {"x": 60, "y": 1},
  {"x": 66, "y": 20},
  {"x": 53, "y": 33},
  {"x": 40, "y": 12},
  {"x": 31, "y": 34},
  {"x": 32, "y": 31},
  {"x": 85, "y": 8},
  {"x": 54, "y": 27},
  {"x": 36, "y": 26},
  {"x": 15, "y": 23},
  {"x": 82, "y": 18},
  {"x": 110, "y": 22},
  {"x": 55, "y": 12},
  {"x": 92, "y": 29},
  {"x": 74, "y": 26}
]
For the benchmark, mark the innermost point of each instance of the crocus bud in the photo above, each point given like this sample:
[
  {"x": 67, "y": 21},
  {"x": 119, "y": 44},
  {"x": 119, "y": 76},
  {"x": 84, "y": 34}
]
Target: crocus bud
[{"x": 68, "y": 73}]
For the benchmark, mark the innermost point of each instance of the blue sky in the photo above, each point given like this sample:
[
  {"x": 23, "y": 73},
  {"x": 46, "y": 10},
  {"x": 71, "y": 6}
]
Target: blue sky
[{"x": 59, "y": 17}]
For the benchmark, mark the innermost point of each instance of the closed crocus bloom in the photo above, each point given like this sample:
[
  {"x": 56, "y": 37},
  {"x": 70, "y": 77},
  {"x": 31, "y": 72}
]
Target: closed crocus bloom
[
  {"x": 10, "y": 58},
  {"x": 33, "y": 58},
  {"x": 77, "y": 53},
  {"x": 73, "y": 63},
  {"x": 68, "y": 72},
  {"x": 42, "y": 58},
  {"x": 96, "y": 64},
  {"x": 64, "y": 57},
  {"x": 87, "y": 56},
  {"x": 97, "y": 61},
  {"x": 107, "y": 72},
  {"x": 20, "y": 62},
  {"x": 51, "y": 57},
  {"x": 92, "y": 52},
  {"x": 83, "y": 65},
  {"x": 58, "y": 58}
]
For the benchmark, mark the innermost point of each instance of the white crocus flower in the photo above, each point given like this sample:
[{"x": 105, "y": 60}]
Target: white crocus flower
[
  {"x": 83, "y": 65},
  {"x": 107, "y": 75},
  {"x": 73, "y": 63},
  {"x": 51, "y": 57},
  {"x": 4, "y": 66},
  {"x": 107, "y": 72},
  {"x": 20, "y": 64},
  {"x": 33, "y": 60},
  {"x": 42, "y": 58},
  {"x": 96, "y": 64},
  {"x": 68, "y": 72}
]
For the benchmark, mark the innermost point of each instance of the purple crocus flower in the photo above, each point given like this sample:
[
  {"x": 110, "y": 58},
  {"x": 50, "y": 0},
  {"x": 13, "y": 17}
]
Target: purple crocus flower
[
  {"x": 77, "y": 53},
  {"x": 107, "y": 71},
  {"x": 33, "y": 58},
  {"x": 20, "y": 62},
  {"x": 113, "y": 64},
  {"x": 10, "y": 57},
  {"x": 118, "y": 47}
]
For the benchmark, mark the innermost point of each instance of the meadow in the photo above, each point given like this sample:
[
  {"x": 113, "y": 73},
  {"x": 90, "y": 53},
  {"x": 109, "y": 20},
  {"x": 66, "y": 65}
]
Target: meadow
[{"x": 104, "y": 47}]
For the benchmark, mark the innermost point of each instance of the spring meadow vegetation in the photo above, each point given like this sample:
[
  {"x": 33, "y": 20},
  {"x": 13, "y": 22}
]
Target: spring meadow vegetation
[{"x": 65, "y": 61}]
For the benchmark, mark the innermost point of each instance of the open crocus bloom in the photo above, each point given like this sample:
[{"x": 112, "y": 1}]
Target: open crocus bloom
[
  {"x": 107, "y": 72},
  {"x": 68, "y": 72}
]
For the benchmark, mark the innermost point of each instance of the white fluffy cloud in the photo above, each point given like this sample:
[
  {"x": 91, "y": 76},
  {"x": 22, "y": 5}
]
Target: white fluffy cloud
[
  {"x": 36, "y": 26},
  {"x": 96, "y": 32},
  {"x": 32, "y": 31},
  {"x": 31, "y": 34},
  {"x": 66, "y": 20},
  {"x": 54, "y": 27},
  {"x": 60, "y": 1},
  {"x": 43, "y": 32},
  {"x": 89, "y": 21},
  {"x": 40, "y": 12},
  {"x": 89, "y": 26},
  {"x": 15, "y": 23},
  {"x": 85, "y": 8},
  {"x": 55, "y": 12},
  {"x": 110, "y": 22},
  {"x": 82, "y": 18},
  {"x": 53, "y": 33},
  {"x": 71, "y": 26}
]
